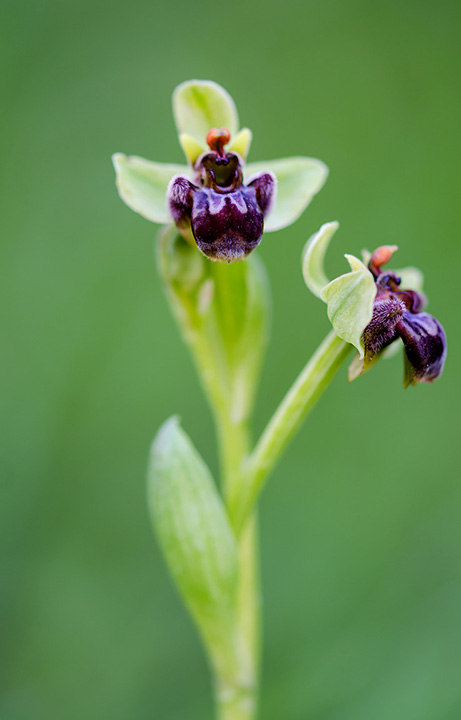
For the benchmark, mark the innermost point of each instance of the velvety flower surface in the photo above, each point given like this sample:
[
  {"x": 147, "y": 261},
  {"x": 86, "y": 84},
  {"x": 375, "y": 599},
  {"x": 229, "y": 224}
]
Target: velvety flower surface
[
  {"x": 397, "y": 313},
  {"x": 374, "y": 309},
  {"x": 218, "y": 201},
  {"x": 225, "y": 216}
]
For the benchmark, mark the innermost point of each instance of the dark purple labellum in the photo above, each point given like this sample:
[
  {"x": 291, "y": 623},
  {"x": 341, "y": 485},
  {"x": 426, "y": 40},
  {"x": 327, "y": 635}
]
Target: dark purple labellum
[
  {"x": 381, "y": 330},
  {"x": 397, "y": 314},
  {"x": 425, "y": 347},
  {"x": 226, "y": 217}
]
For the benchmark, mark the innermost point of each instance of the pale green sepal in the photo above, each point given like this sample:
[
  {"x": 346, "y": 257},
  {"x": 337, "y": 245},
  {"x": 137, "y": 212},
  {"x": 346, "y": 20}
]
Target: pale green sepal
[
  {"x": 366, "y": 256},
  {"x": 355, "y": 368},
  {"x": 192, "y": 148},
  {"x": 358, "y": 365},
  {"x": 241, "y": 143},
  {"x": 313, "y": 257},
  {"x": 350, "y": 305},
  {"x": 298, "y": 180},
  {"x": 355, "y": 263},
  {"x": 194, "y": 531},
  {"x": 143, "y": 184},
  {"x": 393, "y": 349},
  {"x": 199, "y": 105},
  {"x": 411, "y": 278}
]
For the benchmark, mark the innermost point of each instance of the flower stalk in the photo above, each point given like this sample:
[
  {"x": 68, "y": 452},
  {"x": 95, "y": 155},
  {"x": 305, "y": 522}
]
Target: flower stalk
[{"x": 286, "y": 421}]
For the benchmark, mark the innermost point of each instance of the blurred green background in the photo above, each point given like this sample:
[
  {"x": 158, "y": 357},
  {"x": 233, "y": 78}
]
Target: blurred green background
[{"x": 360, "y": 525}]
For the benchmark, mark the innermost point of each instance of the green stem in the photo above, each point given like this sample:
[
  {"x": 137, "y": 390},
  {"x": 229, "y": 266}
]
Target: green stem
[
  {"x": 285, "y": 422},
  {"x": 236, "y": 694},
  {"x": 237, "y": 701},
  {"x": 236, "y": 706}
]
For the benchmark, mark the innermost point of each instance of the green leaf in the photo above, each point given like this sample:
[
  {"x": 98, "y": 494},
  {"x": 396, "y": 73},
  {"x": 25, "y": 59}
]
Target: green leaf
[
  {"x": 194, "y": 531},
  {"x": 313, "y": 258},
  {"x": 143, "y": 184},
  {"x": 199, "y": 105},
  {"x": 350, "y": 300},
  {"x": 298, "y": 180}
]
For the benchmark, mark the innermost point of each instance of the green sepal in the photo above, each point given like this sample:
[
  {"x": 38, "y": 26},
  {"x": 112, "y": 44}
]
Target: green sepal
[
  {"x": 349, "y": 301},
  {"x": 298, "y": 180},
  {"x": 142, "y": 185},
  {"x": 411, "y": 278},
  {"x": 199, "y": 105},
  {"x": 194, "y": 532},
  {"x": 349, "y": 297},
  {"x": 314, "y": 255}
]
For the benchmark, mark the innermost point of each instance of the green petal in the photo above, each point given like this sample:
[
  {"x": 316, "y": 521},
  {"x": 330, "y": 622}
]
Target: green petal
[
  {"x": 411, "y": 278},
  {"x": 355, "y": 263},
  {"x": 192, "y": 148},
  {"x": 350, "y": 305},
  {"x": 142, "y": 185},
  {"x": 298, "y": 180},
  {"x": 199, "y": 105},
  {"x": 313, "y": 257},
  {"x": 241, "y": 143},
  {"x": 392, "y": 349}
]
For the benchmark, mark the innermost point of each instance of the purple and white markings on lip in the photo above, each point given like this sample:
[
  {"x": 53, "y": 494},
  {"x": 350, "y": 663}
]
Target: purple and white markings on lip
[{"x": 226, "y": 216}]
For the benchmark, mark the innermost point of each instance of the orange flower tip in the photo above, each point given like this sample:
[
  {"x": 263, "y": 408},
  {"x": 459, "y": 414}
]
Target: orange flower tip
[
  {"x": 217, "y": 138},
  {"x": 380, "y": 257}
]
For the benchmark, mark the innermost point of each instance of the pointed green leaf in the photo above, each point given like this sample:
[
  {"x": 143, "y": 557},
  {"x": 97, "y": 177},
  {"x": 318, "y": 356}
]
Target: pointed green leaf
[
  {"x": 313, "y": 257},
  {"x": 142, "y": 185},
  {"x": 298, "y": 180},
  {"x": 193, "y": 529},
  {"x": 199, "y": 105},
  {"x": 350, "y": 305}
]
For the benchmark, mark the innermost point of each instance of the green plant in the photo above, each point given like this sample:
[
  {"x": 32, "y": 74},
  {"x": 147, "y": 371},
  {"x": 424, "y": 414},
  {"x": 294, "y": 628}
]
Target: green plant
[{"x": 219, "y": 295}]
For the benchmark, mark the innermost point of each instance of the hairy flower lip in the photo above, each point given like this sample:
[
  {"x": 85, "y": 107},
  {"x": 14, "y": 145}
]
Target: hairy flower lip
[
  {"x": 225, "y": 217},
  {"x": 205, "y": 113},
  {"x": 381, "y": 330},
  {"x": 397, "y": 313},
  {"x": 369, "y": 308},
  {"x": 227, "y": 225},
  {"x": 425, "y": 346}
]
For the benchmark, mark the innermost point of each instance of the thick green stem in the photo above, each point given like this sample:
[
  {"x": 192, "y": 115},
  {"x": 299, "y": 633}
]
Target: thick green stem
[
  {"x": 285, "y": 422},
  {"x": 236, "y": 706},
  {"x": 237, "y": 701},
  {"x": 234, "y": 679}
]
